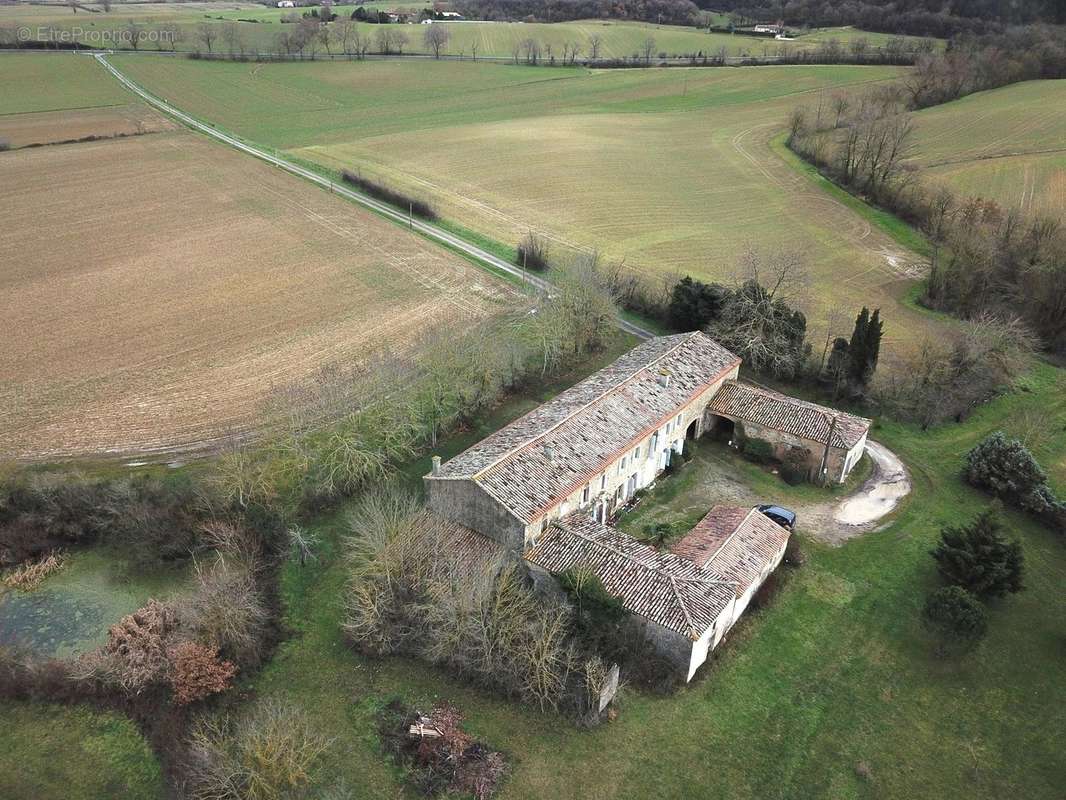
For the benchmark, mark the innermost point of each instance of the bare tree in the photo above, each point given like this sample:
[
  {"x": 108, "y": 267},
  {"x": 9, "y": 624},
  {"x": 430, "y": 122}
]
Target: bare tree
[
  {"x": 595, "y": 43},
  {"x": 436, "y": 39},
  {"x": 647, "y": 47},
  {"x": 73, "y": 5},
  {"x": 107, "y": 6},
  {"x": 133, "y": 32},
  {"x": 325, "y": 36},
  {"x": 231, "y": 35},
  {"x": 473, "y": 49},
  {"x": 531, "y": 50},
  {"x": 206, "y": 34}
]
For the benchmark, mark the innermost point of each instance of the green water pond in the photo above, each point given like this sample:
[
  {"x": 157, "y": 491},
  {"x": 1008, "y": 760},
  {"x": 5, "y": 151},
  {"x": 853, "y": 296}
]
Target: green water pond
[{"x": 71, "y": 610}]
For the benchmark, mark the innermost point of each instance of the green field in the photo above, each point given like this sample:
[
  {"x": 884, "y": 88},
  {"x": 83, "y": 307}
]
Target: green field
[
  {"x": 69, "y": 82},
  {"x": 259, "y": 27},
  {"x": 1007, "y": 144},
  {"x": 672, "y": 171},
  {"x": 53, "y": 752},
  {"x": 833, "y": 691}
]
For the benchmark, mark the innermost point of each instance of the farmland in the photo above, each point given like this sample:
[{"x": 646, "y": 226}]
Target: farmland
[
  {"x": 259, "y": 28},
  {"x": 834, "y": 690},
  {"x": 672, "y": 171},
  {"x": 183, "y": 285},
  {"x": 1008, "y": 145}
]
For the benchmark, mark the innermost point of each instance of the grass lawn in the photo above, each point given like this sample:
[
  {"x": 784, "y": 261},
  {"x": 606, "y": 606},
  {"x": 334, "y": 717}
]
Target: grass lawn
[
  {"x": 834, "y": 690},
  {"x": 670, "y": 171},
  {"x": 73, "y": 753}
]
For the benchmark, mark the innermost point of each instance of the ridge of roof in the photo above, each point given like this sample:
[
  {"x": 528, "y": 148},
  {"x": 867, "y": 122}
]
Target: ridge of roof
[
  {"x": 681, "y": 339},
  {"x": 669, "y": 572}
]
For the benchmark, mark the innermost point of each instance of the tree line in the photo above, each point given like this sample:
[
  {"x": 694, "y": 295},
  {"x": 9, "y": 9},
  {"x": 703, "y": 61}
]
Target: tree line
[
  {"x": 912, "y": 17},
  {"x": 667, "y": 12},
  {"x": 986, "y": 261}
]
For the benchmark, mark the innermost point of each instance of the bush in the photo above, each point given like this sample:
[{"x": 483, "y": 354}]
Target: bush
[
  {"x": 955, "y": 614},
  {"x": 532, "y": 253},
  {"x": 197, "y": 672},
  {"x": 4, "y": 145},
  {"x": 419, "y": 208},
  {"x": 758, "y": 450},
  {"x": 1005, "y": 468},
  {"x": 979, "y": 558},
  {"x": 796, "y": 467},
  {"x": 268, "y": 754},
  {"x": 693, "y": 304},
  {"x": 599, "y": 617},
  {"x": 151, "y": 519}
]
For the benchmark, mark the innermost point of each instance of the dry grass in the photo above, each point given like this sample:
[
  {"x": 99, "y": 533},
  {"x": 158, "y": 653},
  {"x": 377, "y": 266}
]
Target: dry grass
[
  {"x": 179, "y": 284},
  {"x": 27, "y": 577}
]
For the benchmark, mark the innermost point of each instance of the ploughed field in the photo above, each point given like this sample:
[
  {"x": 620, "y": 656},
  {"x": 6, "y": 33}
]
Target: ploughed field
[
  {"x": 159, "y": 290},
  {"x": 672, "y": 171},
  {"x": 1008, "y": 145}
]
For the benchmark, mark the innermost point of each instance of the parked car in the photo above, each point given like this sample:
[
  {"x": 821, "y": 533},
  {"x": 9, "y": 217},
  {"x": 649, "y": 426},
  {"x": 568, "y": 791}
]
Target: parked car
[{"x": 782, "y": 516}]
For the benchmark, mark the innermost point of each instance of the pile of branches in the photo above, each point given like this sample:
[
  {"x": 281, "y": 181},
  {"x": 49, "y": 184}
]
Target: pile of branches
[{"x": 440, "y": 756}]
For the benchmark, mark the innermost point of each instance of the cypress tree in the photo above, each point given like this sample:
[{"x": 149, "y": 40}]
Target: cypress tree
[{"x": 857, "y": 350}]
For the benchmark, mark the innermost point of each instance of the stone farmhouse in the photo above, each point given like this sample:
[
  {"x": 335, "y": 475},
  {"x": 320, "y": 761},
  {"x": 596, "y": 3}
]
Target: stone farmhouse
[{"x": 546, "y": 486}]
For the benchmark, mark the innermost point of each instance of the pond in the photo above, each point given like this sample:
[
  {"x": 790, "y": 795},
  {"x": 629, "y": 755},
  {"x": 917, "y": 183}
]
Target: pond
[{"x": 71, "y": 610}]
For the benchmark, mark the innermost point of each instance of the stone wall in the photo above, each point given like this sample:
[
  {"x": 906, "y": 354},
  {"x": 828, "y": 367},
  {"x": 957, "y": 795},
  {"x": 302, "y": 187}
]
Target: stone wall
[{"x": 467, "y": 503}]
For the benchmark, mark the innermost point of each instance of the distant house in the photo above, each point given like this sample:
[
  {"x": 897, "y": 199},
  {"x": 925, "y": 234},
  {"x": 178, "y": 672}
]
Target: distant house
[
  {"x": 451, "y": 16},
  {"x": 547, "y": 486},
  {"x": 286, "y": 4},
  {"x": 775, "y": 29}
]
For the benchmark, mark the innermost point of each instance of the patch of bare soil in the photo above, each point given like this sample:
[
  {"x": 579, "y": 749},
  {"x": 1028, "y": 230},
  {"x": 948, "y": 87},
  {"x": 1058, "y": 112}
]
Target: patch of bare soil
[
  {"x": 157, "y": 289},
  {"x": 108, "y": 122}
]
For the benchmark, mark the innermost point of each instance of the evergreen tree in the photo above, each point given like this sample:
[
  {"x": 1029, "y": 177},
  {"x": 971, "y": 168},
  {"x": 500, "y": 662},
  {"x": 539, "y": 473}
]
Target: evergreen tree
[
  {"x": 864, "y": 349},
  {"x": 979, "y": 558},
  {"x": 955, "y": 614}
]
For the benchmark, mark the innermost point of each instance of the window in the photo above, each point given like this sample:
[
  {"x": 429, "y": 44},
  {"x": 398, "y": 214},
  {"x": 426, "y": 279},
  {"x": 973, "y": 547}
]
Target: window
[
  {"x": 603, "y": 481},
  {"x": 654, "y": 443},
  {"x": 622, "y": 465},
  {"x": 544, "y": 525},
  {"x": 677, "y": 422},
  {"x": 585, "y": 494}
]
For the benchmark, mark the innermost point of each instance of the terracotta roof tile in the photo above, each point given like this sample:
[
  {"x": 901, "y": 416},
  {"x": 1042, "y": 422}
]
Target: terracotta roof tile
[
  {"x": 734, "y": 543},
  {"x": 788, "y": 415},
  {"x": 539, "y": 459},
  {"x": 659, "y": 586}
]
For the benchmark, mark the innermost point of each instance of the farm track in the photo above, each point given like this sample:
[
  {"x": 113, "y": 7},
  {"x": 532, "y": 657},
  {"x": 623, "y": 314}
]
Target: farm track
[{"x": 427, "y": 229}]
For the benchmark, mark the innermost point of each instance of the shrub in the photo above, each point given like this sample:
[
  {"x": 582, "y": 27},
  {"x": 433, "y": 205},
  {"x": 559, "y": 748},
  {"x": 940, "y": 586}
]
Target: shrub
[
  {"x": 693, "y": 304},
  {"x": 955, "y": 614},
  {"x": 4, "y": 145},
  {"x": 796, "y": 466},
  {"x": 135, "y": 654},
  {"x": 197, "y": 672},
  {"x": 532, "y": 253},
  {"x": 758, "y": 450},
  {"x": 268, "y": 754},
  {"x": 413, "y": 205},
  {"x": 599, "y": 617},
  {"x": 979, "y": 558},
  {"x": 1005, "y": 468}
]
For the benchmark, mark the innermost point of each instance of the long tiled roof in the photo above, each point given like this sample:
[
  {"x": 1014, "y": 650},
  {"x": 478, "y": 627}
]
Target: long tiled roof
[
  {"x": 733, "y": 542},
  {"x": 787, "y": 414},
  {"x": 531, "y": 464},
  {"x": 659, "y": 586}
]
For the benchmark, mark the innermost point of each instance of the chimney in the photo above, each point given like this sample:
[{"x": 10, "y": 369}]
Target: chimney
[
  {"x": 664, "y": 379},
  {"x": 549, "y": 453},
  {"x": 436, "y": 465}
]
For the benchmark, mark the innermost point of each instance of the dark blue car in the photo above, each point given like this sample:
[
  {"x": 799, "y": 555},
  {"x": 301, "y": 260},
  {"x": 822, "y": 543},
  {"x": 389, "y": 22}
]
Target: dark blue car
[{"x": 782, "y": 516}]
